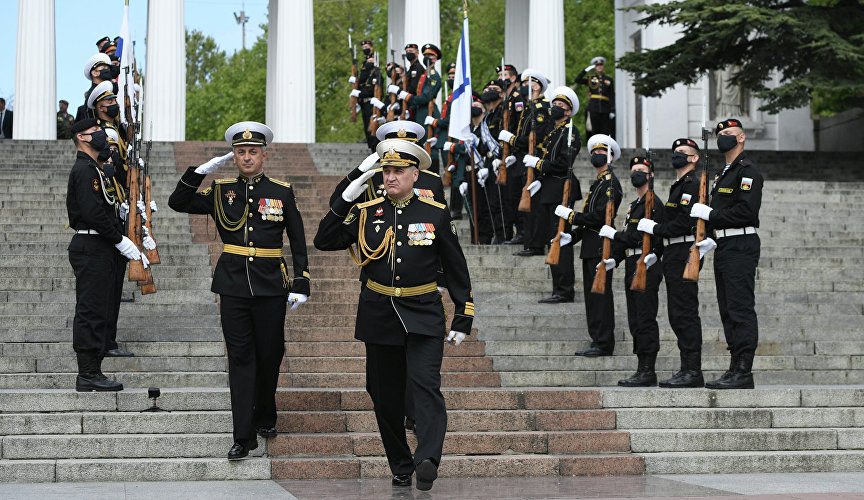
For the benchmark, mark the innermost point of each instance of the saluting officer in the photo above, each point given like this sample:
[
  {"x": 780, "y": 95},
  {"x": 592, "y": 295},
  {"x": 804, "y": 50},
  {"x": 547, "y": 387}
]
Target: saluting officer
[
  {"x": 251, "y": 211},
  {"x": 400, "y": 240},
  {"x": 734, "y": 216},
  {"x": 678, "y": 230},
  {"x": 599, "y": 309},
  {"x": 95, "y": 253},
  {"x": 601, "y": 98},
  {"x": 641, "y": 304}
]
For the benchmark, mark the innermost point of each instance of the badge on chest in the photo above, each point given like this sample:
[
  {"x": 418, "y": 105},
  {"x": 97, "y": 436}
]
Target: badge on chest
[
  {"x": 270, "y": 209},
  {"x": 421, "y": 233}
]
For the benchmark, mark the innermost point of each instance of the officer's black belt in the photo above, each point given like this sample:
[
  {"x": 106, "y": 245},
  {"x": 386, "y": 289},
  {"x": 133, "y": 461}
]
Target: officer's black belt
[
  {"x": 87, "y": 231},
  {"x": 633, "y": 251},
  {"x": 677, "y": 239},
  {"x": 735, "y": 231},
  {"x": 409, "y": 291},
  {"x": 252, "y": 251}
]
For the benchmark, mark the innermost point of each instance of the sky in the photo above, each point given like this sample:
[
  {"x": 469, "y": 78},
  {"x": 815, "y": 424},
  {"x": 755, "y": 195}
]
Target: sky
[{"x": 76, "y": 41}]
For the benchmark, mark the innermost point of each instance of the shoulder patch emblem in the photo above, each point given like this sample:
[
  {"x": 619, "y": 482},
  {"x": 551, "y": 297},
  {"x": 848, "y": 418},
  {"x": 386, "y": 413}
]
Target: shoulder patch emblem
[
  {"x": 519, "y": 107},
  {"x": 685, "y": 198},
  {"x": 746, "y": 183},
  {"x": 281, "y": 183},
  {"x": 349, "y": 218},
  {"x": 453, "y": 227},
  {"x": 539, "y": 118},
  {"x": 207, "y": 191}
]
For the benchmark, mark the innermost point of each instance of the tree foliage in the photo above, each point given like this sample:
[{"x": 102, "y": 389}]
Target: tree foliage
[{"x": 816, "y": 47}]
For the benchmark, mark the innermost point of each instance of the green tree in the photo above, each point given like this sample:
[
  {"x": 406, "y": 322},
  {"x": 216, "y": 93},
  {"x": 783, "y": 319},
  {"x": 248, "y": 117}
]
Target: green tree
[
  {"x": 816, "y": 46},
  {"x": 203, "y": 58}
]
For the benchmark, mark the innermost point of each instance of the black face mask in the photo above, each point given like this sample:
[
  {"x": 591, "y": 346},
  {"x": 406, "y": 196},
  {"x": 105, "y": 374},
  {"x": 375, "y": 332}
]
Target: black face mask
[
  {"x": 475, "y": 112},
  {"x": 99, "y": 141},
  {"x": 599, "y": 159},
  {"x": 726, "y": 143},
  {"x": 490, "y": 96},
  {"x": 679, "y": 159},
  {"x": 556, "y": 113},
  {"x": 366, "y": 52},
  {"x": 410, "y": 56},
  {"x": 638, "y": 178},
  {"x": 105, "y": 74},
  {"x": 451, "y": 80},
  {"x": 113, "y": 110},
  {"x": 104, "y": 155},
  {"x": 115, "y": 158},
  {"x": 115, "y": 71},
  {"x": 525, "y": 91}
]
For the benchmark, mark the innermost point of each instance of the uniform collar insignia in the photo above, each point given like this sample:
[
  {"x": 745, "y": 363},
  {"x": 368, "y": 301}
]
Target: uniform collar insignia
[{"x": 403, "y": 202}]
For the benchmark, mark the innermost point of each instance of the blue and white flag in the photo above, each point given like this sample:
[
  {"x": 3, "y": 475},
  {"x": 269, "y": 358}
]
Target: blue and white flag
[
  {"x": 460, "y": 108},
  {"x": 126, "y": 79}
]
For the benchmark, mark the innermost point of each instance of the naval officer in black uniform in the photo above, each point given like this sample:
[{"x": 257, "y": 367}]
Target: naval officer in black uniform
[
  {"x": 401, "y": 239},
  {"x": 251, "y": 212}
]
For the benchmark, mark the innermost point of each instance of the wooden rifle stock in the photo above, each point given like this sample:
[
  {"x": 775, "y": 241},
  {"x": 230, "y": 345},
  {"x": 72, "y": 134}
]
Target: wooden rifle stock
[
  {"x": 505, "y": 147},
  {"x": 640, "y": 279},
  {"x": 599, "y": 285},
  {"x": 431, "y": 111},
  {"x": 152, "y": 255},
  {"x": 691, "y": 269},
  {"x": 376, "y": 113},
  {"x": 525, "y": 201},
  {"x": 136, "y": 267},
  {"x": 555, "y": 250}
]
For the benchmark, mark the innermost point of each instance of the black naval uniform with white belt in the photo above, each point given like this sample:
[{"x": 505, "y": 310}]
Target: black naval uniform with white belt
[
  {"x": 253, "y": 283},
  {"x": 400, "y": 315}
]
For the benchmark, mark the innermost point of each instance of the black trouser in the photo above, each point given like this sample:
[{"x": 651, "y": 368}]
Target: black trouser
[
  {"x": 387, "y": 369},
  {"x": 366, "y": 110},
  {"x": 536, "y": 225},
  {"x": 642, "y": 307},
  {"x": 111, "y": 338},
  {"x": 515, "y": 183},
  {"x": 601, "y": 124},
  {"x": 563, "y": 273},
  {"x": 254, "y": 331},
  {"x": 599, "y": 308},
  {"x": 95, "y": 263},
  {"x": 682, "y": 298},
  {"x": 735, "y": 262},
  {"x": 490, "y": 218}
]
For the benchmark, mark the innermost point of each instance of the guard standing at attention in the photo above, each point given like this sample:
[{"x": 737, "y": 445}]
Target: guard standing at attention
[
  {"x": 251, "y": 211},
  {"x": 401, "y": 240}
]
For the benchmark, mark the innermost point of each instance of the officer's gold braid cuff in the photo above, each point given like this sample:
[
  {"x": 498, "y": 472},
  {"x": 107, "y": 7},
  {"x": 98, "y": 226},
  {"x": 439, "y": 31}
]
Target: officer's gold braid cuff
[{"x": 386, "y": 246}]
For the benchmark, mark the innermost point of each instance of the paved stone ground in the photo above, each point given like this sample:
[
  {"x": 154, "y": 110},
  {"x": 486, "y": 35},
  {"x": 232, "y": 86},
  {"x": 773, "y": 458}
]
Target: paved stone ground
[{"x": 802, "y": 486}]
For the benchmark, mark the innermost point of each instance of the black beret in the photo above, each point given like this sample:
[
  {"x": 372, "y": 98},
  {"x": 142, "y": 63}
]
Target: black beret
[
  {"x": 451, "y": 68},
  {"x": 497, "y": 83},
  {"x": 366, "y": 42},
  {"x": 410, "y": 45},
  {"x": 642, "y": 160},
  {"x": 82, "y": 125},
  {"x": 507, "y": 67},
  {"x": 430, "y": 47},
  {"x": 731, "y": 122},
  {"x": 64, "y": 101},
  {"x": 685, "y": 142},
  {"x": 103, "y": 39}
]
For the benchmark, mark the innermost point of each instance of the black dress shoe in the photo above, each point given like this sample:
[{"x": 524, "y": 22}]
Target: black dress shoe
[
  {"x": 555, "y": 299},
  {"x": 128, "y": 299},
  {"x": 427, "y": 473},
  {"x": 96, "y": 382},
  {"x": 401, "y": 480},
  {"x": 240, "y": 450},
  {"x": 593, "y": 352},
  {"x": 528, "y": 252},
  {"x": 517, "y": 240},
  {"x": 266, "y": 431},
  {"x": 119, "y": 353}
]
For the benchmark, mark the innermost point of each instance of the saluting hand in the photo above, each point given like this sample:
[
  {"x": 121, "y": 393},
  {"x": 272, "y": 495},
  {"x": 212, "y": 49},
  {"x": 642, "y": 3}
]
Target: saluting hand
[
  {"x": 357, "y": 187},
  {"x": 214, "y": 164}
]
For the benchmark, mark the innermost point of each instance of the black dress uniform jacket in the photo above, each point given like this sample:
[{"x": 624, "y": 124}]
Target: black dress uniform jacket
[
  {"x": 593, "y": 216},
  {"x": 683, "y": 193},
  {"x": 408, "y": 265},
  {"x": 601, "y": 92},
  {"x": 630, "y": 237},
  {"x": 555, "y": 164},
  {"x": 736, "y": 196},
  {"x": 242, "y": 275},
  {"x": 86, "y": 204},
  {"x": 367, "y": 80},
  {"x": 534, "y": 119}
]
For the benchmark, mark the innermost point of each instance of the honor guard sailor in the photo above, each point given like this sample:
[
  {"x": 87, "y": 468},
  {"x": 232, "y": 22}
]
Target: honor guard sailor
[{"x": 252, "y": 212}]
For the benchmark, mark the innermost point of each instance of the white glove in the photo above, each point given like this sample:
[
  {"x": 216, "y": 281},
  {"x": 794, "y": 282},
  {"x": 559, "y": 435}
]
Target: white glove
[
  {"x": 297, "y": 299},
  {"x": 141, "y": 207},
  {"x": 701, "y": 211},
  {"x": 563, "y": 212},
  {"x": 611, "y": 115},
  {"x": 393, "y": 89},
  {"x": 610, "y": 264},
  {"x": 124, "y": 210},
  {"x": 149, "y": 243},
  {"x": 153, "y": 206},
  {"x": 212, "y": 165},
  {"x": 447, "y": 145},
  {"x": 145, "y": 261},
  {"x": 357, "y": 108},
  {"x": 589, "y": 68},
  {"x": 482, "y": 175},
  {"x": 143, "y": 216},
  {"x": 402, "y": 95},
  {"x": 534, "y": 187},
  {"x": 376, "y": 102},
  {"x": 355, "y": 93},
  {"x": 530, "y": 161},
  {"x": 566, "y": 239},
  {"x": 128, "y": 249},
  {"x": 357, "y": 186},
  {"x": 509, "y": 161},
  {"x": 607, "y": 232},
  {"x": 455, "y": 338},
  {"x": 140, "y": 160},
  {"x": 496, "y": 165},
  {"x": 368, "y": 162},
  {"x": 381, "y": 120},
  {"x": 505, "y": 136},
  {"x": 463, "y": 189},
  {"x": 646, "y": 226},
  {"x": 432, "y": 141},
  {"x": 352, "y": 79},
  {"x": 649, "y": 260},
  {"x": 451, "y": 168},
  {"x": 395, "y": 107},
  {"x": 706, "y": 246},
  {"x": 429, "y": 120}
]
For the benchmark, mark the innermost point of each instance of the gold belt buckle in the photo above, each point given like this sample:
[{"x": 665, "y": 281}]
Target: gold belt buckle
[
  {"x": 397, "y": 292},
  {"x": 252, "y": 252}
]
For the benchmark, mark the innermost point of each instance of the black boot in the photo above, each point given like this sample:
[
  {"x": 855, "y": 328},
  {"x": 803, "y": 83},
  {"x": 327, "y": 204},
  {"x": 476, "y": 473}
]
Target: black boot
[
  {"x": 741, "y": 377},
  {"x": 645, "y": 375},
  {"x": 726, "y": 375},
  {"x": 690, "y": 374},
  {"x": 90, "y": 377}
]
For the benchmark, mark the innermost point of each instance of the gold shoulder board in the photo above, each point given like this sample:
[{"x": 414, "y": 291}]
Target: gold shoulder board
[
  {"x": 370, "y": 202},
  {"x": 281, "y": 183},
  {"x": 226, "y": 181},
  {"x": 430, "y": 173},
  {"x": 433, "y": 202}
]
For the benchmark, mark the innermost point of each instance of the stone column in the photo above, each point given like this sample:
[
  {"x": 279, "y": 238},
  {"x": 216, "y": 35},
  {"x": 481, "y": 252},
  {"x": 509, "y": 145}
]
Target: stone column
[
  {"x": 291, "y": 93},
  {"x": 516, "y": 17},
  {"x": 35, "y": 72},
  {"x": 165, "y": 75},
  {"x": 546, "y": 40}
]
